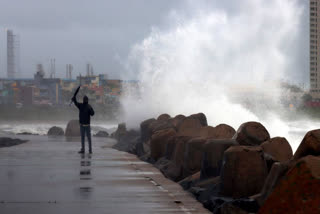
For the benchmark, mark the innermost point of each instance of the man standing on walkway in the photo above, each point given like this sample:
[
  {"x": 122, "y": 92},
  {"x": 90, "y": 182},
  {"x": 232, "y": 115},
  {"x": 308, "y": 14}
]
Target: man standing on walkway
[{"x": 85, "y": 112}]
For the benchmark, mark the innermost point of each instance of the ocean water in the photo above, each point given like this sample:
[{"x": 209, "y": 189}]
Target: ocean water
[{"x": 41, "y": 128}]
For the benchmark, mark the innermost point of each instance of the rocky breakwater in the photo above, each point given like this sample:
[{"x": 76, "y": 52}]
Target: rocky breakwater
[
  {"x": 127, "y": 140},
  {"x": 243, "y": 171}
]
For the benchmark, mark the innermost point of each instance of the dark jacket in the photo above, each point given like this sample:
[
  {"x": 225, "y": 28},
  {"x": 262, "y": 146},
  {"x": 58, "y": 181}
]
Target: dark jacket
[{"x": 85, "y": 111}]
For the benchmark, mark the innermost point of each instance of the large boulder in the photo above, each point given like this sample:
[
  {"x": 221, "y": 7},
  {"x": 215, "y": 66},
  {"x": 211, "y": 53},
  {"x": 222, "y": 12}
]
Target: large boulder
[
  {"x": 224, "y": 131},
  {"x": 298, "y": 191},
  {"x": 7, "y": 142},
  {"x": 175, "y": 154},
  {"x": 120, "y": 132},
  {"x": 127, "y": 141},
  {"x": 159, "y": 125},
  {"x": 207, "y": 132},
  {"x": 221, "y": 131},
  {"x": 172, "y": 171},
  {"x": 310, "y": 145},
  {"x": 251, "y": 134},
  {"x": 179, "y": 148},
  {"x": 201, "y": 117},
  {"x": 278, "y": 170},
  {"x": 279, "y": 148},
  {"x": 164, "y": 117},
  {"x": 193, "y": 156},
  {"x": 169, "y": 169},
  {"x": 243, "y": 172},
  {"x": 73, "y": 129},
  {"x": 190, "y": 127},
  {"x": 190, "y": 181},
  {"x": 177, "y": 120},
  {"x": 158, "y": 143},
  {"x": 212, "y": 156},
  {"x": 145, "y": 131},
  {"x": 55, "y": 131}
]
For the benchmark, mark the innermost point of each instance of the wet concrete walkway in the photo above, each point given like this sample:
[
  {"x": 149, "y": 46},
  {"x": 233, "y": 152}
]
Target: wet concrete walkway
[{"x": 46, "y": 175}]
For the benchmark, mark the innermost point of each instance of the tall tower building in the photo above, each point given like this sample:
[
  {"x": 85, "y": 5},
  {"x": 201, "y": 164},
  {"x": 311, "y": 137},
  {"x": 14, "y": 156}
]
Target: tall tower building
[{"x": 13, "y": 55}]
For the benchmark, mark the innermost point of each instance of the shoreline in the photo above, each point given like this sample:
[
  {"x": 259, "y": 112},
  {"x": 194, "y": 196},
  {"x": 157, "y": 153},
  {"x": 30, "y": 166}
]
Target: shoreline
[{"x": 41, "y": 127}]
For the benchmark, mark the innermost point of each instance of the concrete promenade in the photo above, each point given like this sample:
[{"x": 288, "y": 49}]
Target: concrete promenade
[{"x": 47, "y": 176}]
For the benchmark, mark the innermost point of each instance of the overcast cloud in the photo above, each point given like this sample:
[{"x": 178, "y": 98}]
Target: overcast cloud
[
  {"x": 77, "y": 31},
  {"x": 102, "y": 32}
]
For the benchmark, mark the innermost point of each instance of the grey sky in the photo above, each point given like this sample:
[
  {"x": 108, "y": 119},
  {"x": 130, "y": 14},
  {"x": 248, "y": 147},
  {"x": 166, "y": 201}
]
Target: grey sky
[
  {"x": 78, "y": 31},
  {"x": 100, "y": 31}
]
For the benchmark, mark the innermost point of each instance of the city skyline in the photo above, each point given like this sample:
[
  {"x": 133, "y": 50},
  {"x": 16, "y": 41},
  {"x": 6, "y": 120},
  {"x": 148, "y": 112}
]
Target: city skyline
[
  {"x": 103, "y": 34},
  {"x": 99, "y": 32}
]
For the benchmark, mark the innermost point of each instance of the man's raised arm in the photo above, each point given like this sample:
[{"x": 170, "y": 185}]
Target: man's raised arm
[{"x": 74, "y": 99}]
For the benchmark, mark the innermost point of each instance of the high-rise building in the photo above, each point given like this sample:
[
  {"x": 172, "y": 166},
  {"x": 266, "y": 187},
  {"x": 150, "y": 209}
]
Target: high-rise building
[{"x": 13, "y": 55}]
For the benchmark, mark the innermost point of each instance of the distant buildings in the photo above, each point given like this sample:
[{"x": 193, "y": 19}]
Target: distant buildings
[
  {"x": 42, "y": 91},
  {"x": 314, "y": 49},
  {"x": 13, "y": 55},
  {"x": 49, "y": 88}
]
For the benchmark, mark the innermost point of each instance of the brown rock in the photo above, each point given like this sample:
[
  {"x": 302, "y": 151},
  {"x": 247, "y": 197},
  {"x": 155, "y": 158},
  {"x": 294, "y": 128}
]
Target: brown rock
[
  {"x": 120, "y": 132},
  {"x": 73, "y": 129},
  {"x": 212, "y": 156},
  {"x": 175, "y": 153},
  {"x": 169, "y": 169},
  {"x": 179, "y": 148},
  {"x": 201, "y": 117},
  {"x": 207, "y": 132},
  {"x": 276, "y": 173},
  {"x": 126, "y": 140},
  {"x": 158, "y": 143},
  {"x": 190, "y": 180},
  {"x": 145, "y": 131},
  {"x": 243, "y": 172},
  {"x": 251, "y": 134},
  {"x": 310, "y": 145},
  {"x": 279, "y": 148},
  {"x": 170, "y": 149},
  {"x": 221, "y": 131},
  {"x": 177, "y": 120},
  {"x": 164, "y": 117},
  {"x": 298, "y": 191},
  {"x": 193, "y": 156},
  {"x": 159, "y": 125},
  {"x": 172, "y": 171},
  {"x": 189, "y": 127},
  {"x": 224, "y": 131}
]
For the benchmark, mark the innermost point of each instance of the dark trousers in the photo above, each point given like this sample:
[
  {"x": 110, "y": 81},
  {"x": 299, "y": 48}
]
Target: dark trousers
[{"x": 85, "y": 130}]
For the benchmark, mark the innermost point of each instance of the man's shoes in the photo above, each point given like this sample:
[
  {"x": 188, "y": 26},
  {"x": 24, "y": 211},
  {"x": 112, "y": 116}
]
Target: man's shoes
[{"x": 81, "y": 152}]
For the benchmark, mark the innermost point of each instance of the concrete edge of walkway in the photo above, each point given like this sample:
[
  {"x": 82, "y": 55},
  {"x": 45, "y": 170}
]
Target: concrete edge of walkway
[{"x": 182, "y": 198}]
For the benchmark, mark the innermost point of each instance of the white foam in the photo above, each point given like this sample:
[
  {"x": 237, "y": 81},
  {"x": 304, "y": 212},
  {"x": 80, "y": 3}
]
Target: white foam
[{"x": 203, "y": 61}]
